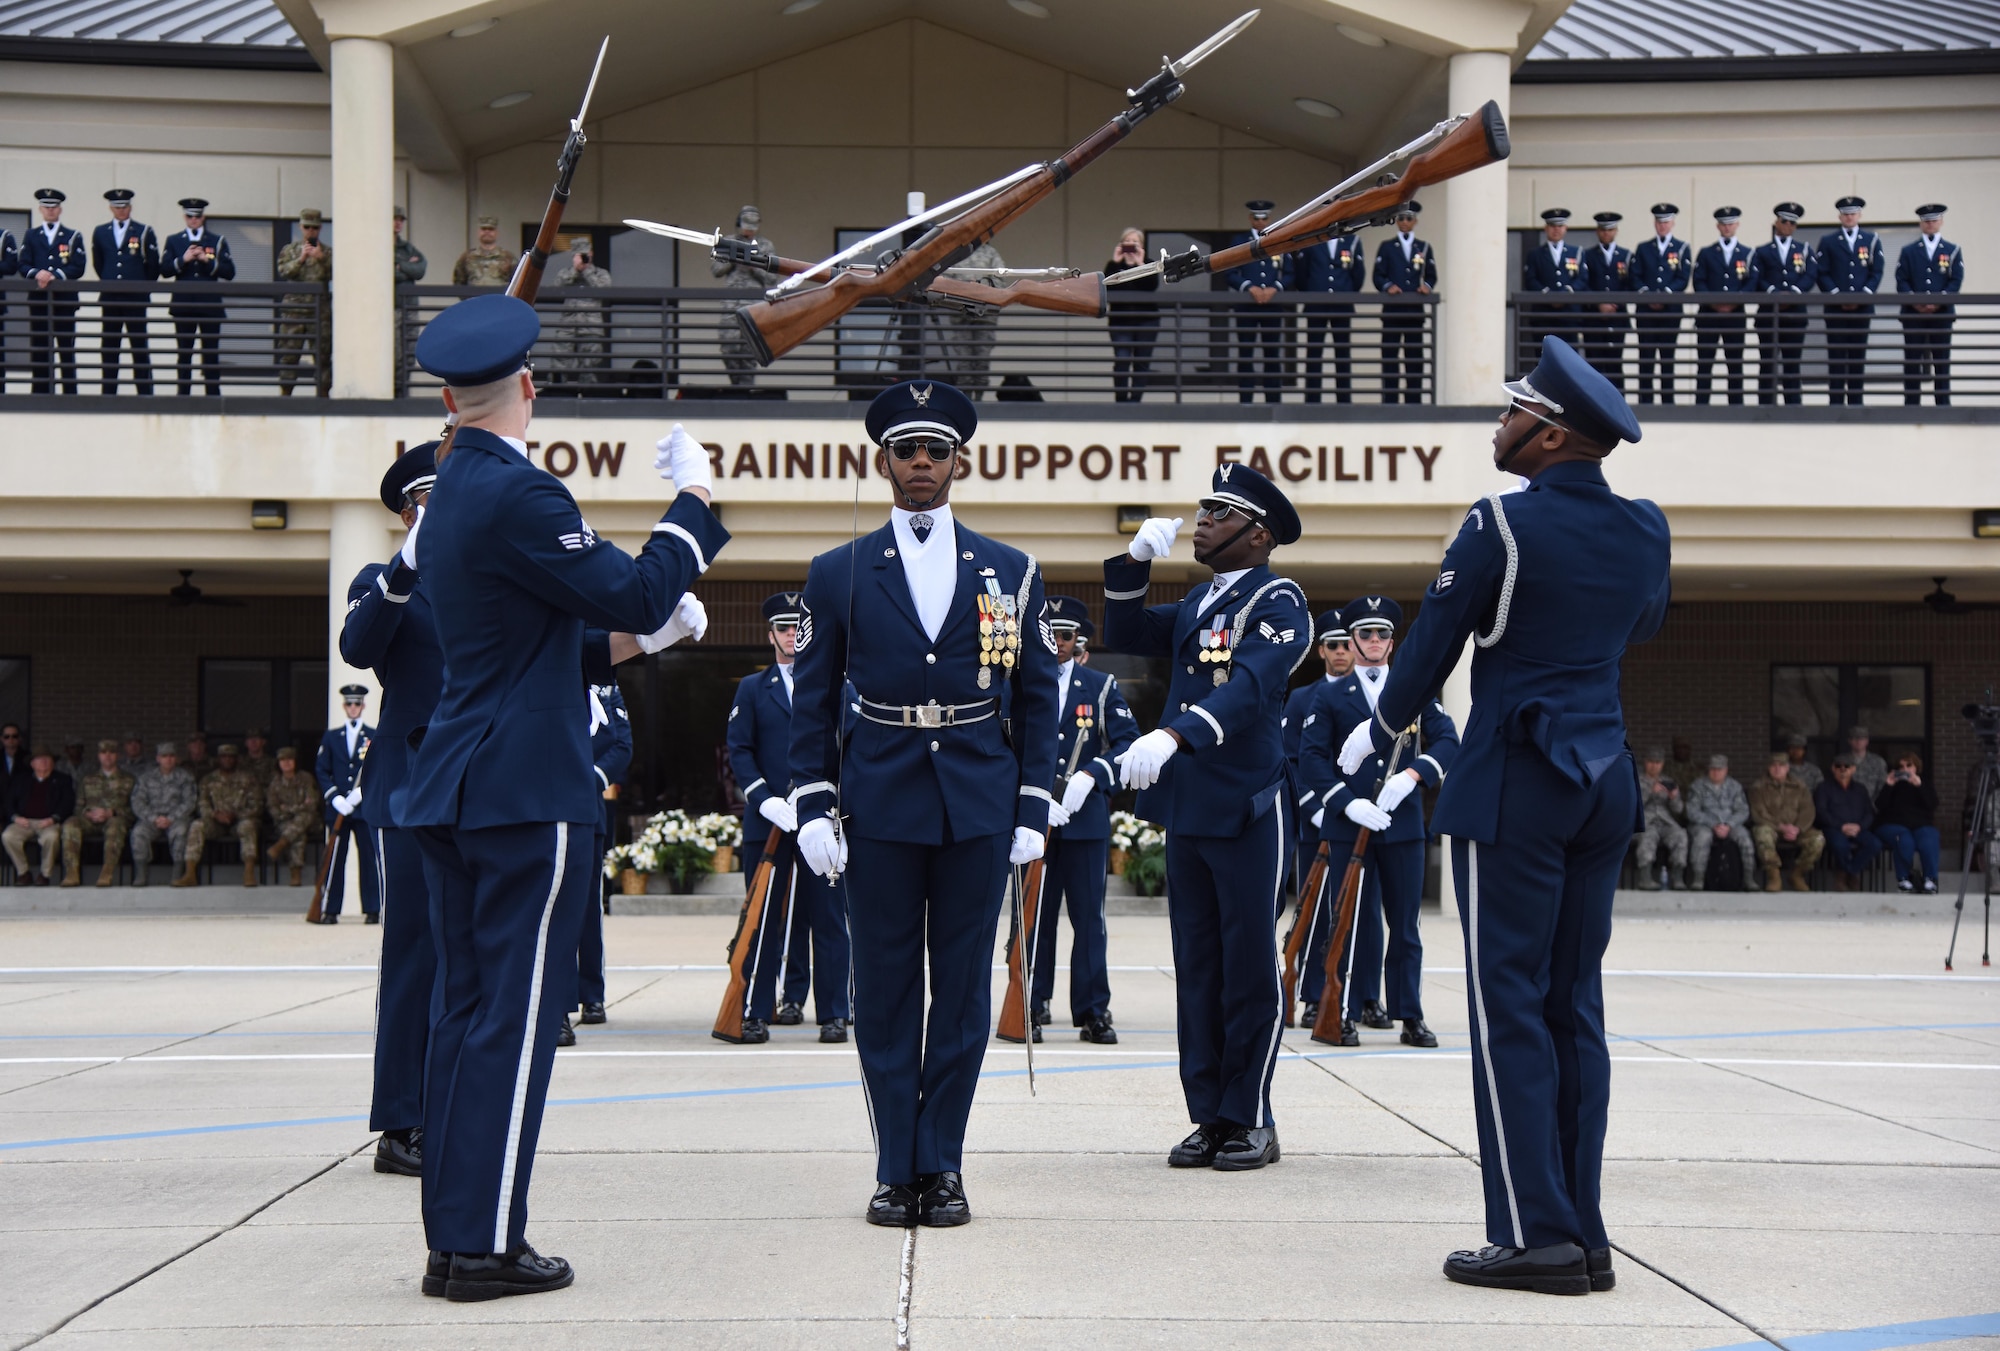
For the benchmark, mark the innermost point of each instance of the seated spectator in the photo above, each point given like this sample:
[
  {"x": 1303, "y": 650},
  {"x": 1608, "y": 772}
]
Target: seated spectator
[
  {"x": 293, "y": 799},
  {"x": 1682, "y": 769},
  {"x": 1870, "y": 770},
  {"x": 1804, "y": 772},
  {"x": 163, "y": 803},
  {"x": 40, "y": 801},
  {"x": 13, "y": 753},
  {"x": 103, "y": 808},
  {"x": 1906, "y": 821},
  {"x": 197, "y": 761},
  {"x": 232, "y": 802},
  {"x": 1842, "y": 811},
  {"x": 133, "y": 761},
  {"x": 1661, "y": 811},
  {"x": 71, "y": 764},
  {"x": 1718, "y": 810},
  {"x": 1781, "y": 812},
  {"x": 257, "y": 756}
]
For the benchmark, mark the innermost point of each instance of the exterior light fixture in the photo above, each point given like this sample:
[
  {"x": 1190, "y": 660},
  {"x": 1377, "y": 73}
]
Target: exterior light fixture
[
  {"x": 269, "y": 515},
  {"x": 519, "y": 96},
  {"x": 1317, "y": 107},
  {"x": 1131, "y": 518}
]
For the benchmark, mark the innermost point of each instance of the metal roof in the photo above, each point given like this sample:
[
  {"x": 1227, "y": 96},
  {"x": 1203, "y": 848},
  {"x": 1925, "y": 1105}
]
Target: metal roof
[
  {"x": 1634, "y": 30},
  {"x": 250, "y": 23}
]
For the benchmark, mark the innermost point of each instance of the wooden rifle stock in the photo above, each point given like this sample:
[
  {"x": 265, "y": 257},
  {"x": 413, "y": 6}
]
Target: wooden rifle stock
[
  {"x": 729, "y": 1018},
  {"x": 1302, "y": 924},
  {"x": 1014, "y": 1011},
  {"x": 1326, "y": 1028},
  {"x": 1083, "y": 296}
]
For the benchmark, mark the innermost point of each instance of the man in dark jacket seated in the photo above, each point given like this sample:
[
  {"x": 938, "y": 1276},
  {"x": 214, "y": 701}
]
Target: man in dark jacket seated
[{"x": 1843, "y": 813}]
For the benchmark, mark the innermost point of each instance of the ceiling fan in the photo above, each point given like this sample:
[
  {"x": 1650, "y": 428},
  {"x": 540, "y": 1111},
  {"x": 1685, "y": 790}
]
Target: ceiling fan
[
  {"x": 187, "y": 593},
  {"x": 1944, "y": 602}
]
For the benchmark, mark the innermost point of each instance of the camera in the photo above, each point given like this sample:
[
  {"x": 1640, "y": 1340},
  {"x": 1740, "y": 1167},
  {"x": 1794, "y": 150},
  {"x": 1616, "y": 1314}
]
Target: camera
[{"x": 1985, "y": 720}]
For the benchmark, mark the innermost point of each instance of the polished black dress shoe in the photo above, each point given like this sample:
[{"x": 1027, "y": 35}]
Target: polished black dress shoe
[
  {"x": 1099, "y": 1030},
  {"x": 1416, "y": 1034},
  {"x": 1247, "y": 1147},
  {"x": 327, "y": 919},
  {"x": 893, "y": 1206},
  {"x": 437, "y": 1271},
  {"x": 755, "y": 1033},
  {"x": 1042, "y": 1018},
  {"x": 788, "y": 1015},
  {"x": 1309, "y": 1015},
  {"x": 835, "y": 1031},
  {"x": 490, "y": 1275},
  {"x": 941, "y": 1202},
  {"x": 372, "y": 917},
  {"x": 1559, "y": 1269},
  {"x": 1198, "y": 1150},
  {"x": 1602, "y": 1277},
  {"x": 401, "y": 1152},
  {"x": 566, "y": 1037},
  {"x": 1375, "y": 1016},
  {"x": 592, "y": 1014},
  {"x": 1349, "y": 1034}
]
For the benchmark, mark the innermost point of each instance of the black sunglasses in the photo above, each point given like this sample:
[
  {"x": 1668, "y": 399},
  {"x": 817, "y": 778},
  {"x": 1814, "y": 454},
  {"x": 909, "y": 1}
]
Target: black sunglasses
[
  {"x": 937, "y": 448},
  {"x": 1220, "y": 512}
]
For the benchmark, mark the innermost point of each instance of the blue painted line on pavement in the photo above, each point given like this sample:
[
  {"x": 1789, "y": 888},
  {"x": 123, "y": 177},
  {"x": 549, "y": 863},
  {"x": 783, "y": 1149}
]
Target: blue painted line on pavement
[
  {"x": 1927, "y": 1333},
  {"x": 180, "y": 1130}
]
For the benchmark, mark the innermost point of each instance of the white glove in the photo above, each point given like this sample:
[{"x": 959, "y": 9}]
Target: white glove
[
  {"x": 1028, "y": 846},
  {"x": 682, "y": 460},
  {"x": 1077, "y": 792},
  {"x": 1367, "y": 815},
  {"x": 779, "y": 813},
  {"x": 1319, "y": 818},
  {"x": 822, "y": 847},
  {"x": 1360, "y": 744},
  {"x": 689, "y": 620},
  {"x": 343, "y": 804},
  {"x": 409, "y": 549},
  {"x": 1139, "y": 766},
  {"x": 1058, "y": 816},
  {"x": 1400, "y": 786},
  {"x": 1155, "y": 538}
]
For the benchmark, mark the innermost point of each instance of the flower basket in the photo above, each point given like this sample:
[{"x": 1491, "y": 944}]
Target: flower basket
[
  {"x": 725, "y": 859},
  {"x": 631, "y": 882},
  {"x": 1118, "y": 857},
  {"x": 677, "y": 848}
]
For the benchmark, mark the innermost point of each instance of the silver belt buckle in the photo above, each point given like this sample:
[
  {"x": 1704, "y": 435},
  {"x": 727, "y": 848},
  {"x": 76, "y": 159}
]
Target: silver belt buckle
[{"x": 930, "y": 715}]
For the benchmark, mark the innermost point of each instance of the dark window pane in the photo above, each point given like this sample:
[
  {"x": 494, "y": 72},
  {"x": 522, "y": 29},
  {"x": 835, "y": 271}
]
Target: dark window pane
[
  {"x": 1890, "y": 702},
  {"x": 307, "y": 689},
  {"x": 235, "y": 694},
  {"x": 1805, "y": 699}
]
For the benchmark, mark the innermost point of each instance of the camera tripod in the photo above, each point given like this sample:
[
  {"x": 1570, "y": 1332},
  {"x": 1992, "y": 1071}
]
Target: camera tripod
[{"x": 1983, "y": 807}]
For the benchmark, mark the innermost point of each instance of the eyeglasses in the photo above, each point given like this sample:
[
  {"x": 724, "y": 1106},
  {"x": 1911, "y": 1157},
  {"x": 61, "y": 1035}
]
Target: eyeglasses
[
  {"x": 1219, "y": 513},
  {"x": 937, "y": 448},
  {"x": 1518, "y": 407},
  {"x": 1338, "y": 644}
]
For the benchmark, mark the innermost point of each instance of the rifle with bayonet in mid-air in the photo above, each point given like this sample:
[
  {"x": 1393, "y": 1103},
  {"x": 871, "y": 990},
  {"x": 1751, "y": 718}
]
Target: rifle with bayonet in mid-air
[{"x": 791, "y": 313}]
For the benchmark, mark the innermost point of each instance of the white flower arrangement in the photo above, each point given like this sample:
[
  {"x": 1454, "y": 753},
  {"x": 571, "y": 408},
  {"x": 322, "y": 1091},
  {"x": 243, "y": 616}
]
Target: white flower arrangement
[
  {"x": 672, "y": 841},
  {"x": 1130, "y": 833}
]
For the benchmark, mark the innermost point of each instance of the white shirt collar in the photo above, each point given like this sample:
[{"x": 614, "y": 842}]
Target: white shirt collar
[
  {"x": 1931, "y": 243},
  {"x": 930, "y": 566},
  {"x": 785, "y": 670},
  {"x": 194, "y": 236},
  {"x": 1371, "y": 689},
  {"x": 118, "y": 229},
  {"x": 50, "y": 229},
  {"x": 1217, "y": 588},
  {"x": 520, "y": 446},
  {"x": 1063, "y": 674}
]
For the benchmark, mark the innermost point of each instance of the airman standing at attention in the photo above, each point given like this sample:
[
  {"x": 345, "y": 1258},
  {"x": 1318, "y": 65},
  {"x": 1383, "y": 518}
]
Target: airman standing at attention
[
  {"x": 232, "y": 803},
  {"x": 1337, "y": 655},
  {"x": 1930, "y": 265},
  {"x": 122, "y": 249},
  {"x": 1660, "y": 266},
  {"x": 1785, "y": 266},
  {"x": 485, "y": 263},
  {"x": 1725, "y": 265},
  {"x": 103, "y": 809},
  {"x": 1555, "y": 268},
  {"x": 52, "y": 252},
  {"x": 307, "y": 314},
  {"x": 1851, "y": 263},
  {"x": 292, "y": 798},
  {"x": 1260, "y": 322},
  {"x": 739, "y": 358},
  {"x": 1404, "y": 266},
  {"x": 196, "y": 257},
  {"x": 1607, "y": 267}
]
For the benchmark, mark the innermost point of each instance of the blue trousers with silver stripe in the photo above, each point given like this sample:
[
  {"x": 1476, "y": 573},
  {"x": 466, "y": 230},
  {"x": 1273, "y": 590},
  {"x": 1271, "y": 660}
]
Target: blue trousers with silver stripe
[{"x": 403, "y": 984}]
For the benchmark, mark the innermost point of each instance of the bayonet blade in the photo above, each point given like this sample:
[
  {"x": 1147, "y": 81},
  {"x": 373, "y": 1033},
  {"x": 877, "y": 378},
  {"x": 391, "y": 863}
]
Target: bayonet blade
[
  {"x": 576, "y": 123},
  {"x": 706, "y": 238},
  {"x": 1135, "y": 274},
  {"x": 1208, "y": 48}
]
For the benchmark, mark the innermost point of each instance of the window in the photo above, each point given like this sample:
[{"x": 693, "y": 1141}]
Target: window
[
  {"x": 1892, "y": 702},
  {"x": 284, "y": 698}
]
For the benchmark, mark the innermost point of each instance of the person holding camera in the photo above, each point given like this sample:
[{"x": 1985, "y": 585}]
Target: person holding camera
[
  {"x": 1662, "y": 814},
  {"x": 582, "y": 336},
  {"x": 1135, "y": 324},
  {"x": 1906, "y": 821}
]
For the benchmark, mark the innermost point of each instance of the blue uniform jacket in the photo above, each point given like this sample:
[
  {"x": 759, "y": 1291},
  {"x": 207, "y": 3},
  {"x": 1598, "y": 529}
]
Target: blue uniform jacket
[
  {"x": 1260, "y": 271},
  {"x": 335, "y": 768},
  {"x": 1857, "y": 269},
  {"x": 1712, "y": 274},
  {"x": 64, "y": 256},
  {"x": 1337, "y": 265},
  {"x": 1797, "y": 271},
  {"x": 138, "y": 260},
  {"x": 1662, "y": 267},
  {"x": 514, "y": 574},
  {"x": 1337, "y": 705},
  {"x": 218, "y": 266},
  {"x": 1608, "y": 274},
  {"x": 909, "y": 784},
  {"x": 1233, "y": 766},
  {"x": 1541, "y": 272},
  {"x": 10, "y": 254},
  {"x": 610, "y": 735},
  {"x": 1552, "y": 584},
  {"x": 1917, "y": 273},
  {"x": 390, "y": 629},
  {"x": 1392, "y": 269},
  {"x": 1094, "y": 697},
  {"x": 760, "y": 739}
]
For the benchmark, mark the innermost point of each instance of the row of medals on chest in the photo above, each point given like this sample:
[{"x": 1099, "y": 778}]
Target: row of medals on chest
[
  {"x": 999, "y": 634},
  {"x": 1214, "y": 642}
]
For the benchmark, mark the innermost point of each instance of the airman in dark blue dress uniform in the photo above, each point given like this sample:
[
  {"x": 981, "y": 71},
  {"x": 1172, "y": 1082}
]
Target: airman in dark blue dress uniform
[
  {"x": 52, "y": 252},
  {"x": 804, "y": 934},
  {"x": 1607, "y": 268},
  {"x": 1404, "y": 265},
  {"x": 1785, "y": 266},
  {"x": 1260, "y": 322},
  {"x": 1726, "y": 265},
  {"x": 10, "y": 265},
  {"x": 1337, "y": 655},
  {"x": 932, "y": 800},
  {"x": 1094, "y": 725},
  {"x": 1213, "y": 776},
  {"x": 122, "y": 249},
  {"x": 1851, "y": 263},
  {"x": 390, "y": 628},
  {"x": 1551, "y": 584},
  {"x": 195, "y": 258},
  {"x": 341, "y": 792},
  {"x": 1386, "y": 798},
  {"x": 610, "y": 758},
  {"x": 1661, "y": 265},
  {"x": 1339, "y": 267},
  {"x": 500, "y": 789},
  {"x": 1552, "y": 267},
  {"x": 1929, "y": 265}
]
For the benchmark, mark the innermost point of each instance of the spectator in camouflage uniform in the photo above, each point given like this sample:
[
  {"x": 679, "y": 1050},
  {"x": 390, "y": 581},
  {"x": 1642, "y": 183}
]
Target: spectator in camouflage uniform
[
  {"x": 104, "y": 810},
  {"x": 196, "y": 760},
  {"x": 1804, "y": 772},
  {"x": 309, "y": 314},
  {"x": 134, "y": 761},
  {"x": 256, "y": 758},
  {"x": 293, "y": 799},
  {"x": 1781, "y": 811},
  {"x": 488, "y": 264},
  {"x": 738, "y": 356},
  {"x": 965, "y": 341},
  {"x": 410, "y": 264},
  {"x": 1718, "y": 810},
  {"x": 1682, "y": 769},
  {"x": 231, "y": 802},
  {"x": 1871, "y": 771},
  {"x": 582, "y": 335},
  {"x": 1662, "y": 812},
  {"x": 163, "y": 803}
]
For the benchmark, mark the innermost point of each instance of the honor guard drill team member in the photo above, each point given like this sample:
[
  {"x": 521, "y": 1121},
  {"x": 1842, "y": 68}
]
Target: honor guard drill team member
[
  {"x": 1094, "y": 725},
  {"x": 1337, "y": 658},
  {"x": 935, "y": 796},
  {"x": 1554, "y": 268},
  {"x": 610, "y": 758},
  {"x": 804, "y": 933},
  {"x": 122, "y": 249},
  {"x": 1213, "y": 775},
  {"x": 1660, "y": 266},
  {"x": 337, "y": 767},
  {"x": 1551, "y": 584},
  {"x": 1392, "y": 881},
  {"x": 51, "y": 252},
  {"x": 1726, "y": 265},
  {"x": 195, "y": 258},
  {"x": 1607, "y": 268},
  {"x": 1337, "y": 267},
  {"x": 1261, "y": 322},
  {"x": 1851, "y": 263},
  {"x": 390, "y": 628},
  {"x": 1930, "y": 265},
  {"x": 1785, "y": 266},
  {"x": 500, "y": 789},
  {"x": 1404, "y": 265}
]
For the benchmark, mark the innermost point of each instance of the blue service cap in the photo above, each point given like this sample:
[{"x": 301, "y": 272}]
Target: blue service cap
[
  {"x": 1238, "y": 485},
  {"x": 1068, "y": 614},
  {"x": 414, "y": 470},
  {"x": 1328, "y": 624},
  {"x": 480, "y": 340},
  {"x": 1372, "y": 612},
  {"x": 917, "y": 406},
  {"x": 1580, "y": 397},
  {"x": 784, "y": 608}
]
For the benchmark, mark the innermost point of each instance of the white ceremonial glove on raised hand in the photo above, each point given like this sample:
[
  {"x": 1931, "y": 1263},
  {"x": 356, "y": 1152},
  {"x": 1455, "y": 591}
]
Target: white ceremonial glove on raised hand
[
  {"x": 683, "y": 461},
  {"x": 689, "y": 620},
  {"x": 1367, "y": 815},
  {"x": 1028, "y": 846},
  {"x": 821, "y": 846},
  {"x": 779, "y": 813},
  {"x": 1400, "y": 786},
  {"x": 1058, "y": 816},
  {"x": 1139, "y": 766},
  {"x": 409, "y": 549},
  {"x": 1155, "y": 538},
  {"x": 1360, "y": 744},
  {"x": 1076, "y": 793}
]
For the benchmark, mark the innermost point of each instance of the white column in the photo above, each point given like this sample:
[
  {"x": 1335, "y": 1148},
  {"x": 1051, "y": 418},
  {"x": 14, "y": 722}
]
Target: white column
[
  {"x": 364, "y": 271},
  {"x": 1457, "y": 700},
  {"x": 1472, "y": 315},
  {"x": 359, "y": 536}
]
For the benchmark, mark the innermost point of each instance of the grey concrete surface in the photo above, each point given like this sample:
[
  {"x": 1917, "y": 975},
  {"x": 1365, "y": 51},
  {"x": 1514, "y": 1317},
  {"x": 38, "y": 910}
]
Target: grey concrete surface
[{"x": 1805, "y": 1140}]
